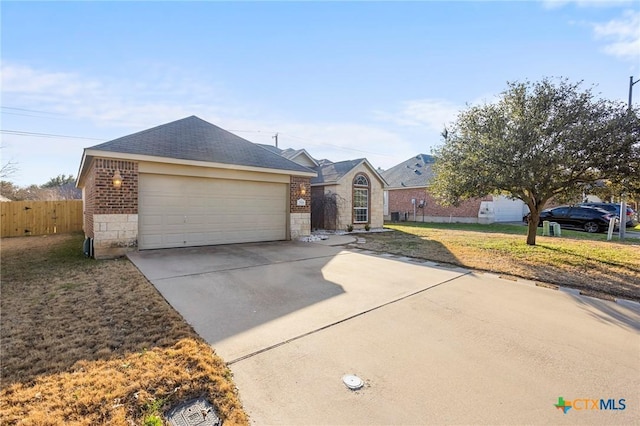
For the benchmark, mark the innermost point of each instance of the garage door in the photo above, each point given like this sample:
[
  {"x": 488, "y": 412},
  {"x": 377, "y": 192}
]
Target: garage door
[
  {"x": 177, "y": 211},
  {"x": 507, "y": 210}
]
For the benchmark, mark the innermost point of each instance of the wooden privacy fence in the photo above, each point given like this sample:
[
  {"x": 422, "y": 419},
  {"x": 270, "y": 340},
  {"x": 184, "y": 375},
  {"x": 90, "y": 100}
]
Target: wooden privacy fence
[{"x": 20, "y": 218}]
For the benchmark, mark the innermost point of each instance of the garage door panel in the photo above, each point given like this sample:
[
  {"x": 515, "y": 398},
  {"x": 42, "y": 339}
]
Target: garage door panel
[{"x": 177, "y": 211}]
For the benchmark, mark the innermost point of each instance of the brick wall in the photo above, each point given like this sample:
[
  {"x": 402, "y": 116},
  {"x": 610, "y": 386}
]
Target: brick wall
[
  {"x": 89, "y": 203},
  {"x": 295, "y": 195},
  {"x": 469, "y": 208},
  {"x": 400, "y": 201},
  {"x": 109, "y": 200}
]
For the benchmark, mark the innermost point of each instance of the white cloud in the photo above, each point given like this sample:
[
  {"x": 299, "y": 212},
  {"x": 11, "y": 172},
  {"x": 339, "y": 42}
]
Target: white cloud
[
  {"x": 433, "y": 114},
  {"x": 556, "y": 4},
  {"x": 335, "y": 141},
  {"x": 105, "y": 103},
  {"x": 107, "y": 107},
  {"x": 622, "y": 35},
  {"x": 20, "y": 79}
]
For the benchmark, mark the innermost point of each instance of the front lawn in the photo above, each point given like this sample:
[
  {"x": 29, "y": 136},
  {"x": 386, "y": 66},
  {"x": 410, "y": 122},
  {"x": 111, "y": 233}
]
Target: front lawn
[
  {"x": 90, "y": 342},
  {"x": 577, "y": 259}
]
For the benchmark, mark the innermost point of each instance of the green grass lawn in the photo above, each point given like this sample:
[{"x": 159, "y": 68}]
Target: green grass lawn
[
  {"x": 576, "y": 259},
  {"x": 512, "y": 229}
]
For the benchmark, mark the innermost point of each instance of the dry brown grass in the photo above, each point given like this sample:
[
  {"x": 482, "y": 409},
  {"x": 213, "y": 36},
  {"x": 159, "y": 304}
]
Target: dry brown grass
[
  {"x": 597, "y": 268},
  {"x": 92, "y": 342}
]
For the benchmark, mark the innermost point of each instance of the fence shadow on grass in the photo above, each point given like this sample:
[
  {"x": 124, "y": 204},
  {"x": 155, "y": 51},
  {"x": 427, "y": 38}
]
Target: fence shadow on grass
[{"x": 58, "y": 307}]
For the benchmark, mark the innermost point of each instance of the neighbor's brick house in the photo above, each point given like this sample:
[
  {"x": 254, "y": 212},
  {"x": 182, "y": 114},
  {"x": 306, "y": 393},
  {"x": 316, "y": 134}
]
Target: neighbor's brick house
[{"x": 407, "y": 197}]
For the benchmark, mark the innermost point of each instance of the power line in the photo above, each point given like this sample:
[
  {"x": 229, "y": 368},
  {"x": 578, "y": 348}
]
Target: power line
[
  {"x": 28, "y": 115},
  {"x": 335, "y": 146},
  {"x": 46, "y": 135},
  {"x": 30, "y": 110},
  {"x": 247, "y": 131},
  {"x": 308, "y": 141}
]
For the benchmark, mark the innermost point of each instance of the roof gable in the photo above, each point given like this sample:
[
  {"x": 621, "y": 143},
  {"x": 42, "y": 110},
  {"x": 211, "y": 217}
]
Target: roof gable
[
  {"x": 302, "y": 157},
  {"x": 329, "y": 172},
  {"x": 195, "y": 139},
  {"x": 415, "y": 172}
]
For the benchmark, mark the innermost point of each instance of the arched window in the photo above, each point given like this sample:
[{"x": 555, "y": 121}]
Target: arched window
[
  {"x": 361, "y": 180},
  {"x": 360, "y": 199}
]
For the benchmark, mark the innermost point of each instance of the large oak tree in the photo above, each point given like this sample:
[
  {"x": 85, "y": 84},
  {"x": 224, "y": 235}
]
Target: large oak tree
[{"x": 538, "y": 141}]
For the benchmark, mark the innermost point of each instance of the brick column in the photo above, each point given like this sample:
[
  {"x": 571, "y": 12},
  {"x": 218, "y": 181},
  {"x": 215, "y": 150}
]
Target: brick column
[
  {"x": 111, "y": 214},
  {"x": 299, "y": 207}
]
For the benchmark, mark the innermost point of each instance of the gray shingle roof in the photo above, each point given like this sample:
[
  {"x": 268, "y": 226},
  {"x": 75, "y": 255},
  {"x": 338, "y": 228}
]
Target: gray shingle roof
[
  {"x": 328, "y": 171},
  {"x": 271, "y": 148},
  {"x": 332, "y": 172},
  {"x": 416, "y": 171},
  {"x": 195, "y": 139}
]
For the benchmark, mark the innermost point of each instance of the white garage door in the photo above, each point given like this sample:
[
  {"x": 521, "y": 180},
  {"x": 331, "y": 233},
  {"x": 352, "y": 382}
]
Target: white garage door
[
  {"x": 177, "y": 211},
  {"x": 507, "y": 210}
]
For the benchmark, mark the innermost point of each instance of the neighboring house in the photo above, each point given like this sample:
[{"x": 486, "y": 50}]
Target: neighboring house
[
  {"x": 407, "y": 197},
  {"x": 189, "y": 183},
  {"x": 343, "y": 193}
]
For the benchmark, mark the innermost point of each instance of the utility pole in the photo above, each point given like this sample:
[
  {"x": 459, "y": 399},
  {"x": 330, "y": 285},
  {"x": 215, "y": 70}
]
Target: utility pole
[
  {"x": 276, "y": 138},
  {"x": 631, "y": 83},
  {"x": 623, "y": 201}
]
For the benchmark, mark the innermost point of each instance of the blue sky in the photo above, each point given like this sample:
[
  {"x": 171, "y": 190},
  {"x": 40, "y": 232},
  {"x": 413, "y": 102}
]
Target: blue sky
[{"x": 343, "y": 80}]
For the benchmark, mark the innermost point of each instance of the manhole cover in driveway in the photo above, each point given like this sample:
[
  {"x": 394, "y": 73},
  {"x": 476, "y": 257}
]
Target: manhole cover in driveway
[{"x": 197, "y": 412}]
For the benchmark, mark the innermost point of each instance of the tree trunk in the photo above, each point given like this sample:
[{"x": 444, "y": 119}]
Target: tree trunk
[{"x": 534, "y": 219}]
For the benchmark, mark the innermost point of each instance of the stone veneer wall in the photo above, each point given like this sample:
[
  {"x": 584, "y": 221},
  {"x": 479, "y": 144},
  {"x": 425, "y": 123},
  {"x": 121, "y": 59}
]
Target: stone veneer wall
[
  {"x": 114, "y": 234},
  {"x": 344, "y": 193},
  {"x": 299, "y": 216},
  {"x": 111, "y": 214},
  {"x": 299, "y": 225}
]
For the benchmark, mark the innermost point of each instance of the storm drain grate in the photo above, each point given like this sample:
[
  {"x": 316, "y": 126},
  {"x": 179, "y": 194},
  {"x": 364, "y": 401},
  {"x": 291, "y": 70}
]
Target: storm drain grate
[{"x": 197, "y": 412}]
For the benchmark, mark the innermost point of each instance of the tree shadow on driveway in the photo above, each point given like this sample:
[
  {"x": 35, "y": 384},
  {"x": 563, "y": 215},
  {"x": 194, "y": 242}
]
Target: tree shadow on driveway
[
  {"x": 621, "y": 314},
  {"x": 223, "y": 291},
  {"x": 247, "y": 297},
  {"x": 594, "y": 275}
]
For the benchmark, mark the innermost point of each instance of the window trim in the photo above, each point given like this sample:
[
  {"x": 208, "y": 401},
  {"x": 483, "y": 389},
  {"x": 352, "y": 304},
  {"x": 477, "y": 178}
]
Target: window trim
[{"x": 357, "y": 184}]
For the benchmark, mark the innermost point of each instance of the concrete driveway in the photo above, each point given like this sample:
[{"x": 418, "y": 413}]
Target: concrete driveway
[{"x": 433, "y": 345}]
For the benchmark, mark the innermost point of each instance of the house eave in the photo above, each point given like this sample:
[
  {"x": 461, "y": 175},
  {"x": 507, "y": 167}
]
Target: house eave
[
  {"x": 333, "y": 182},
  {"x": 392, "y": 188},
  {"x": 89, "y": 154}
]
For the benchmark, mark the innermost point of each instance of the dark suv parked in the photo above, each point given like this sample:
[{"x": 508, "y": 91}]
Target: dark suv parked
[
  {"x": 590, "y": 219},
  {"x": 614, "y": 209}
]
